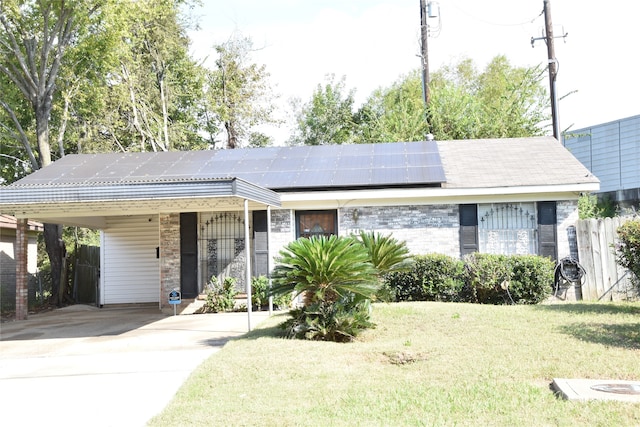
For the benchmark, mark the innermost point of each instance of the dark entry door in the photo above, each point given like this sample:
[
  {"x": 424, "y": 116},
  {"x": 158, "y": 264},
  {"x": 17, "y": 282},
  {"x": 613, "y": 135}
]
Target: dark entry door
[
  {"x": 189, "y": 255},
  {"x": 547, "y": 239}
]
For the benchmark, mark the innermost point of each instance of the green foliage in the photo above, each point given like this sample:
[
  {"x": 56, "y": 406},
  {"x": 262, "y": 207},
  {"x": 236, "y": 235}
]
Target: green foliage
[
  {"x": 500, "y": 102},
  {"x": 260, "y": 294},
  {"x": 396, "y": 113},
  {"x": 338, "y": 321},
  {"x": 324, "y": 269},
  {"x": 628, "y": 248},
  {"x": 386, "y": 253},
  {"x": 239, "y": 96},
  {"x": 590, "y": 206},
  {"x": 434, "y": 277},
  {"x": 220, "y": 296},
  {"x": 485, "y": 275},
  {"x": 327, "y": 118},
  {"x": 531, "y": 278},
  {"x": 479, "y": 278},
  {"x": 337, "y": 280},
  {"x": 500, "y": 279}
]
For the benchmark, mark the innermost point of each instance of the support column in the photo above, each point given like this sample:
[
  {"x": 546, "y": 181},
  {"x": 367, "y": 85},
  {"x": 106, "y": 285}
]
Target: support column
[
  {"x": 247, "y": 247},
  {"x": 22, "y": 271},
  {"x": 269, "y": 258}
]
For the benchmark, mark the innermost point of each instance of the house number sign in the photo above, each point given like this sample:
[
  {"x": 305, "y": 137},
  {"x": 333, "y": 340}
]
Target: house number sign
[{"x": 174, "y": 299}]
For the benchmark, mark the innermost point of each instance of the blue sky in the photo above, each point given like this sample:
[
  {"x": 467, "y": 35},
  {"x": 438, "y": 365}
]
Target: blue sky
[{"x": 374, "y": 42}]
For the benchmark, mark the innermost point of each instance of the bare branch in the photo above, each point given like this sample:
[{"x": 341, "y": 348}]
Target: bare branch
[
  {"x": 22, "y": 137},
  {"x": 27, "y": 84}
]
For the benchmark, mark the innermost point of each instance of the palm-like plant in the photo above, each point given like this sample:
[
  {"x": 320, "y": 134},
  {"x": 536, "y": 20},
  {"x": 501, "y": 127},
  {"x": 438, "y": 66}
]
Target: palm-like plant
[
  {"x": 325, "y": 269},
  {"x": 386, "y": 253}
]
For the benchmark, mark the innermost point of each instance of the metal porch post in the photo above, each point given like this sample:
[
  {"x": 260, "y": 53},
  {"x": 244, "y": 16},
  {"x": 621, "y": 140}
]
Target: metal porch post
[{"x": 247, "y": 249}]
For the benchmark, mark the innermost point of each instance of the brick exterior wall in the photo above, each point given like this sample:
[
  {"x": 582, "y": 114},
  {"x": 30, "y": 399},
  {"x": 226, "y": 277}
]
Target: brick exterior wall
[
  {"x": 425, "y": 229},
  {"x": 22, "y": 275},
  {"x": 169, "y": 255}
]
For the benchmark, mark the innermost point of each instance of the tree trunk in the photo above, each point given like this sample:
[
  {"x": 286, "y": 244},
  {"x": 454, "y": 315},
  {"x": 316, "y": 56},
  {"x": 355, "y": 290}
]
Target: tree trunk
[
  {"x": 232, "y": 137},
  {"x": 165, "y": 114}
]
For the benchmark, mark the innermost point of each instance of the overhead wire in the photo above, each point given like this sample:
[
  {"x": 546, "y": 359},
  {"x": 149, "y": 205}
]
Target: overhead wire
[{"x": 498, "y": 24}]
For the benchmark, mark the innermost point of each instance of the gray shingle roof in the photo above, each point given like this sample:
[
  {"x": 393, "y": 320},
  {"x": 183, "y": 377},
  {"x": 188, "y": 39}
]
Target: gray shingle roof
[
  {"x": 452, "y": 164},
  {"x": 511, "y": 162}
]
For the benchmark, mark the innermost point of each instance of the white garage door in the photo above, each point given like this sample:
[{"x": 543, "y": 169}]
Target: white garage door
[{"x": 130, "y": 268}]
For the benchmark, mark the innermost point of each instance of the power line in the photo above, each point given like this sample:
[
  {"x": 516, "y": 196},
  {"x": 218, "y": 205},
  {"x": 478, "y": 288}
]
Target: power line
[{"x": 493, "y": 23}]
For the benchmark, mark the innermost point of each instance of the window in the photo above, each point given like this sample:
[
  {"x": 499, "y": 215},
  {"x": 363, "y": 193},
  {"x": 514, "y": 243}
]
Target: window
[
  {"x": 507, "y": 228},
  {"x": 316, "y": 223}
]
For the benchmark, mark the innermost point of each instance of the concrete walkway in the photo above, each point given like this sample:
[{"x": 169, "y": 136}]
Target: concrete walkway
[{"x": 83, "y": 365}]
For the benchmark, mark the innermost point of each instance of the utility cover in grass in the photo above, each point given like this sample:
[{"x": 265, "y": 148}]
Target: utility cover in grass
[{"x": 580, "y": 389}]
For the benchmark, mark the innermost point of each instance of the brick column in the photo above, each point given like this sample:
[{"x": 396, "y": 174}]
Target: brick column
[
  {"x": 169, "y": 255},
  {"x": 22, "y": 273}
]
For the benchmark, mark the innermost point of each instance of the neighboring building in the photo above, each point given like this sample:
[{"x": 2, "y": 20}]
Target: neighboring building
[
  {"x": 611, "y": 151},
  {"x": 175, "y": 219},
  {"x": 7, "y": 259}
]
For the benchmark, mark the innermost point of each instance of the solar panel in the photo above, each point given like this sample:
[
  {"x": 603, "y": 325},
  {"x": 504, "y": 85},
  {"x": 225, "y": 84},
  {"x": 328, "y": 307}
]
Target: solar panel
[
  {"x": 274, "y": 167},
  {"x": 352, "y": 177}
]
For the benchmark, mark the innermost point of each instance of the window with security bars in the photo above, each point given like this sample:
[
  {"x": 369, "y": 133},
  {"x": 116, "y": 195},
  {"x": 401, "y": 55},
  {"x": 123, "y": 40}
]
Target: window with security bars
[{"x": 507, "y": 228}]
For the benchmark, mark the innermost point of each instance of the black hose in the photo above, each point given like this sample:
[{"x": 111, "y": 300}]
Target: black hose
[{"x": 570, "y": 270}]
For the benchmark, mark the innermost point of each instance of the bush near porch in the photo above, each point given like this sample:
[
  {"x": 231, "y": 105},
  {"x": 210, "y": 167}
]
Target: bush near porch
[{"x": 478, "y": 278}]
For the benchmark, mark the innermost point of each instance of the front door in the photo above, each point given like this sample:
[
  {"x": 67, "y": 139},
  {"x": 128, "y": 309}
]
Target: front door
[{"x": 189, "y": 255}]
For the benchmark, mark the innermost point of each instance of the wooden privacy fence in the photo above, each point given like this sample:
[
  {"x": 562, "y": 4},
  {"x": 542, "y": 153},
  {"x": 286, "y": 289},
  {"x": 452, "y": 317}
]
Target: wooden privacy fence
[
  {"x": 87, "y": 275},
  {"x": 604, "y": 279}
]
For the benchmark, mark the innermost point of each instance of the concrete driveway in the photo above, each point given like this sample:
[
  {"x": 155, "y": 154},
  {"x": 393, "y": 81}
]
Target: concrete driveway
[{"x": 83, "y": 365}]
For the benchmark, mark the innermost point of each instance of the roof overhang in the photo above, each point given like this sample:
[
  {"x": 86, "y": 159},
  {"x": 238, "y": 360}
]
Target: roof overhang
[
  {"x": 327, "y": 199},
  {"x": 89, "y": 205}
]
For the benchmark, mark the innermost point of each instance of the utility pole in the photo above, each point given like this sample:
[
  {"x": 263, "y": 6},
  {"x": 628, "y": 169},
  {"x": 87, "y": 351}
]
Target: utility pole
[
  {"x": 424, "y": 52},
  {"x": 553, "y": 68}
]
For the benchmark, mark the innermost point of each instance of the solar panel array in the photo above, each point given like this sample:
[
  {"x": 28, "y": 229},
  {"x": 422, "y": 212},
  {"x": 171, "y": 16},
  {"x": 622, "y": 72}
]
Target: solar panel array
[{"x": 276, "y": 168}]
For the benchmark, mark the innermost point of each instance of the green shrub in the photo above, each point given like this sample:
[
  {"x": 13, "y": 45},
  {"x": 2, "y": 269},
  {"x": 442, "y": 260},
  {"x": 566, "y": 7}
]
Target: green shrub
[
  {"x": 220, "y": 296},
  {"x": 259, "y": 288},
  {"x": 500, "y": 279},
  {"x": 433, "y": 277},
  {"x": 337, "y": 280},
  {"x": 531, "y": 278},
  {"x": 485, "y": 274},
  {"x": 338, "y": 321},
  {"x": 628, "y": 248},
  {"x": 260, "y": 295},
  {"x": 479, "y": 278}
]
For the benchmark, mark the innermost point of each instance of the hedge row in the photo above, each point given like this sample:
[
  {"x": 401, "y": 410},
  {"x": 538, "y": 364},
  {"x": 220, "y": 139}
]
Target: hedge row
[{"x": 478, "y": 278}]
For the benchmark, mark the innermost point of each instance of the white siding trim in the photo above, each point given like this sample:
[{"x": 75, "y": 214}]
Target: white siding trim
[{"x": 131, "y": 272}]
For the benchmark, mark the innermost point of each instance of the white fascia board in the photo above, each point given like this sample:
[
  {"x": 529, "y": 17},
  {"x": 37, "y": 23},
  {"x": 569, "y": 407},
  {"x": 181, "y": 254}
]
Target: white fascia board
[{"x": 393, "y": 196}]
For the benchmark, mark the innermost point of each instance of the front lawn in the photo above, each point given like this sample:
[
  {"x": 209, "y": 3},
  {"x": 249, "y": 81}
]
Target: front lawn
[{"x": 425, "y": 364}]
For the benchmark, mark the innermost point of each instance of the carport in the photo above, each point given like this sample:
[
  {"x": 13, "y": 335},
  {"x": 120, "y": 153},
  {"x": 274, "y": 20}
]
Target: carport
[{"x": 89, "y": 190}]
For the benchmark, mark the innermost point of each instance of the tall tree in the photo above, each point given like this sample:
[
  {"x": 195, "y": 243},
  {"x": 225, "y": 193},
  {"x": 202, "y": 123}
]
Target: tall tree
[
  {"x": 328, "y": 117},
  {"x": 239, "y": 96},
  {"x": 158, "y": 86},
  {"x": 499, "y": 102},
  {"x": 392, "y": 114},
  {"x": 34, "y": 40}
]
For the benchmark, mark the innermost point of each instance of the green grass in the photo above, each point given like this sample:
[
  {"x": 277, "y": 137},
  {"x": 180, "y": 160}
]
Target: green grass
[{"x": 425, "y": 364}]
